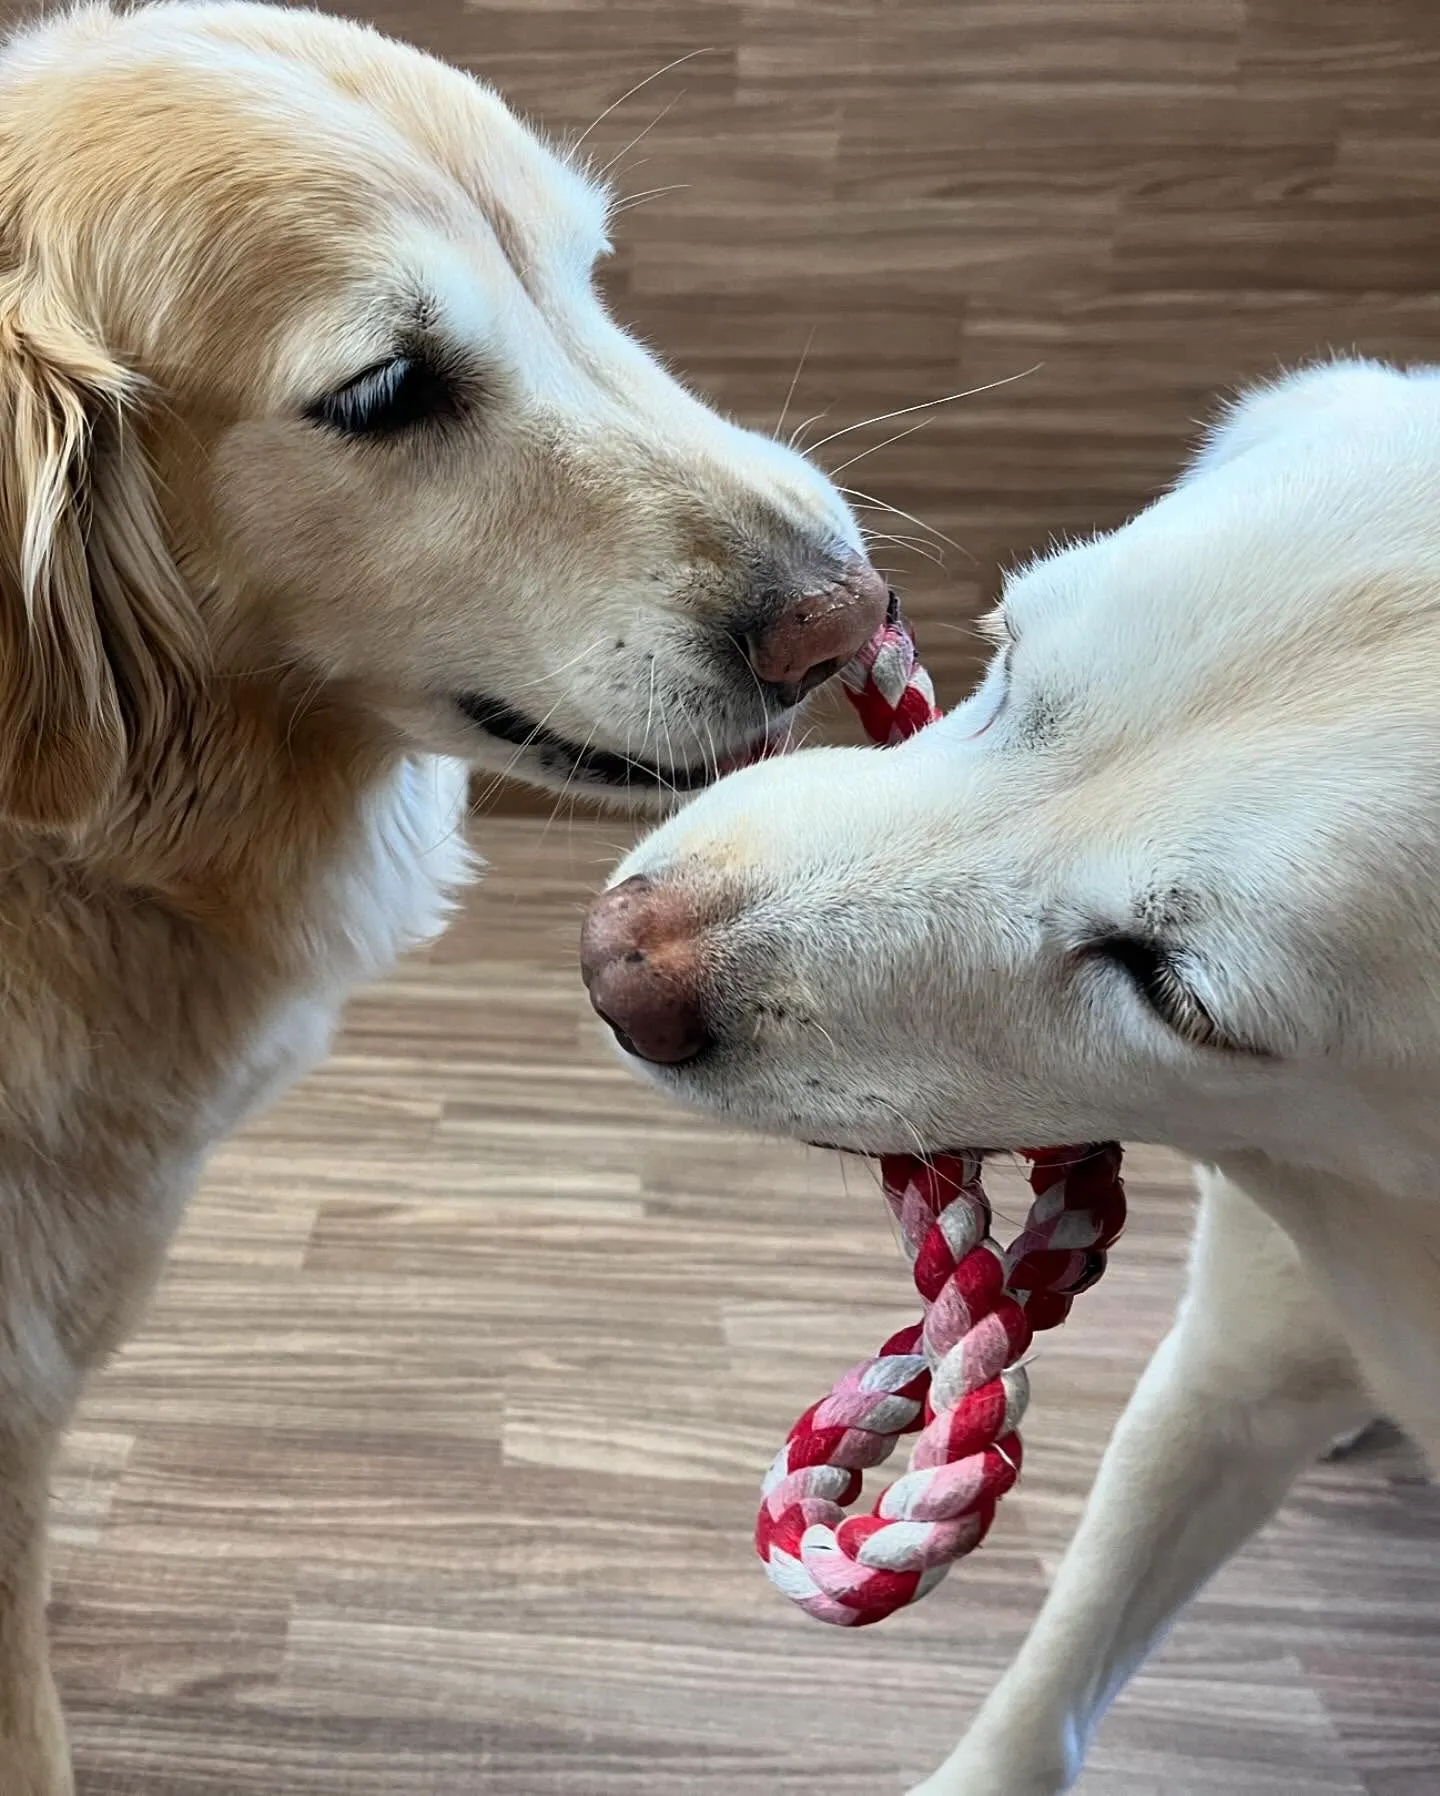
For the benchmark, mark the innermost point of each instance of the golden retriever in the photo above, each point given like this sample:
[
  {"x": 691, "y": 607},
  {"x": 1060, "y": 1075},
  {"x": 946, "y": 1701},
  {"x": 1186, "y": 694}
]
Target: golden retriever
[
  {"x": 1170, "y": 875},
  {"x": 324, "y": 475}
]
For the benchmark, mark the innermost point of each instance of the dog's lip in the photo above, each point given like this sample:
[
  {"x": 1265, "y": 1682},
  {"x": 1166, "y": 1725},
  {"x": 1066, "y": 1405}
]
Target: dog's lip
[
  {"x": 918, "y": 1152},
  {"x": 602, "y": 766}
]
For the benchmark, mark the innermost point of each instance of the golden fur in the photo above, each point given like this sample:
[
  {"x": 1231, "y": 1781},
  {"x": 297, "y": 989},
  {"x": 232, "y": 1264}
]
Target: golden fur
[{"x": 233, "y": 639}]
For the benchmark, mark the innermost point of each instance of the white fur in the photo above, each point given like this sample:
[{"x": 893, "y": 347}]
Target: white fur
[
  {"x": 391, "y": 888},
  {"x": 1220, "y": 732}
]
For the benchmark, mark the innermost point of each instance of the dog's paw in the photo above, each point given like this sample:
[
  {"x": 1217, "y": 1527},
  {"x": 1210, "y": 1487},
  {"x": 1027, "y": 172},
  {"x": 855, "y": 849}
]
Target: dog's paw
[
  {"x": 959, "y": 1782},
  {"x": 986, "y": 1786},
  {"x": 985, "y": 1772}
]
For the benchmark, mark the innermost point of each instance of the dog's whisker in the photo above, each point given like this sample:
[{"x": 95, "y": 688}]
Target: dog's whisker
[
  {"x": 639, "y": 136},
  {"x": 507, "y": 771},
  {"x": 564, "y": 793},
  {"x": 669, "y": 785},
  {"x": 851, "y": 492},
  {"x": 552, "y": 673},
  {"x": 921, "y": 1151},
  {"x": 904, "y": 411},
  {"x": 650, "y": 706},
  {"x": 915, "y": 545},
  {"x": 875, "y": 448},
  {"x": 969, "y": 629},
  {"x": 630, "y": 93},
  {"x": 803, "y": 426},
  {"x": 709, "y": 755},
  {"x": 651, "y": 193},
  {"x": 794, "y": 383}
]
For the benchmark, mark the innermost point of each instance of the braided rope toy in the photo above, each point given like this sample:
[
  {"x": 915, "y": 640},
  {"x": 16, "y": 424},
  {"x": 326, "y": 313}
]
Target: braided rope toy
[{"x": 956, "y": 1377}]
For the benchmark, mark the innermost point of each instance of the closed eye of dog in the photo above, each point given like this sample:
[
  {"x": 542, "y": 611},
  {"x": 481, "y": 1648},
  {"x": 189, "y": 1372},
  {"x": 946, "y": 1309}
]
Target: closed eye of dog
[
  {"x": 387, "y": 399},
  {"x": 1152, "y": 971}
]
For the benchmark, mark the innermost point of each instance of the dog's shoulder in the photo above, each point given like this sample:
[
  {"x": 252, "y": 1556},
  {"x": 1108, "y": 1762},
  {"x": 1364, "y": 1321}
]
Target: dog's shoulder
[{"x": 130, "y": 1016}]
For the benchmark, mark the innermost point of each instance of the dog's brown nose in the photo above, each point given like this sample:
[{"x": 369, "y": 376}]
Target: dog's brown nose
[
  {"x": 640, "y": 962},
  {"x": 818, "y": 632}
]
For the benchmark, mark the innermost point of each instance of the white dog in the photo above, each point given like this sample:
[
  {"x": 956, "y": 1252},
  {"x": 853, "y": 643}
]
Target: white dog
[{"x": 1170, "y": 875}]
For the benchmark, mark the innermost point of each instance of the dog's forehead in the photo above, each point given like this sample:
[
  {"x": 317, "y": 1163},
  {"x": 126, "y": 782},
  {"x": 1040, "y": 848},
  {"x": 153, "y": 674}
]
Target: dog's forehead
[
  {"x": 459, "y": 128},
  {"x": 250, "y": 163},
  {"x": 1216, "y": 668},
  {"x": 1285, "y": 569}
]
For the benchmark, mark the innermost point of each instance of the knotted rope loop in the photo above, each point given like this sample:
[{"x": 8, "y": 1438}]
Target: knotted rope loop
[{"x": 956, "y": 1378}]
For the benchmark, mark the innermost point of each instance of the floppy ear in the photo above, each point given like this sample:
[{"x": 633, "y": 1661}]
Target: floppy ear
[{"x": 96, "y": 628}]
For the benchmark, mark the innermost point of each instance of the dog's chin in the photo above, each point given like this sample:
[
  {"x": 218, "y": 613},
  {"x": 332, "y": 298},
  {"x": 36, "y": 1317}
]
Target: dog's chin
[
  {"x": 862, "y": 1136},
  {"x": 874, "y": 1142},
  {"x": 880, "y": 1147}
]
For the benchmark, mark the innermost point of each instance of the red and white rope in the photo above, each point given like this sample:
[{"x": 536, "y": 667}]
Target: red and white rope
[
  {"x": 955, "y": 1377},
  {"x": 887, "y": 685}
]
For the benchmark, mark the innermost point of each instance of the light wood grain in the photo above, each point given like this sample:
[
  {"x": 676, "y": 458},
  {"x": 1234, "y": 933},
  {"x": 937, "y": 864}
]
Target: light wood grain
[
  {"x": 433, "y": 1471},
  {"x": 1135, "y": 206}
]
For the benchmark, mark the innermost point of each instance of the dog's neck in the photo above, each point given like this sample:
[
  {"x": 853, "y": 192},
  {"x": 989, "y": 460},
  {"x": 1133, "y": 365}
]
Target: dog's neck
[
  {"x": 252, "y": 789},
  {"x": 199, "y": 939},
  {"x": 1373, "y": 1254}
]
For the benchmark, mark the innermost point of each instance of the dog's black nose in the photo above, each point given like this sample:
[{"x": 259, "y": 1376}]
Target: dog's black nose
[{"x": 817, "y": 630}]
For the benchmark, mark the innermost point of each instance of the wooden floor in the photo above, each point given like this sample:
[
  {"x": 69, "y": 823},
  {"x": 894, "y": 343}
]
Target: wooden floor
[
  {"x": 1121, "y": 208},
  {"x": 433, "y": 1470}
]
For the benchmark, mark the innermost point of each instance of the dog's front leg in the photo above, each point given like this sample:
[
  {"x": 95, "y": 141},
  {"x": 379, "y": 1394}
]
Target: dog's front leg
[
  {"x": 1252, "y": 1383},
  {"x": 75, "y": 1270},
  {"x": 34, "y": 1759}
]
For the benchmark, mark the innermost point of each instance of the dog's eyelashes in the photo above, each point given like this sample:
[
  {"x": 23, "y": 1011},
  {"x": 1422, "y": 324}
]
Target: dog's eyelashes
[
  {"x": 387, "y": 399},
  {"x": 1152, "y": 971}
]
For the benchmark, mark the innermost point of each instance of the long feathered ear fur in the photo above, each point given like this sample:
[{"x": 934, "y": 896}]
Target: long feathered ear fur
[{"x": 97, "y": 631}]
